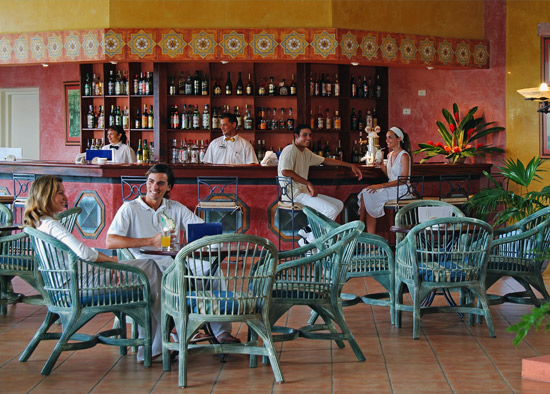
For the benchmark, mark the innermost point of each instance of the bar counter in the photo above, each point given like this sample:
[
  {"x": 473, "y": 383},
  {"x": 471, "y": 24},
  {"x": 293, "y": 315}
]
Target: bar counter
[{"x": 97, "y": 189}]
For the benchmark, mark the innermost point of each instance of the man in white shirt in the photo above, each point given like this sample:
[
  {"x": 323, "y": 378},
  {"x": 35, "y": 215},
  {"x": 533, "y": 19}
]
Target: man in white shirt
[
  {"x": 138, "y": 223},
  {"x": 295, "y": 161},
  {"x": 230, "y": 148}
]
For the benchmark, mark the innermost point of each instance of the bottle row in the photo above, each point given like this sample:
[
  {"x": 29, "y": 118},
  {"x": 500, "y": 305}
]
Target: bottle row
[
  {"x": 190, "y": 118},
  {"x": 119, "y": 85},
  {"x": 328, "y": 121},
  {"x": 362, "y": 88},
  {"x": 144, "y": 154},
  {"x": 118, "y": 117},
  {"x": 188, "y": 152}
]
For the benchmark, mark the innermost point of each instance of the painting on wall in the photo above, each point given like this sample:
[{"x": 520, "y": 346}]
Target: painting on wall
[{"x": 72, "y": 113}]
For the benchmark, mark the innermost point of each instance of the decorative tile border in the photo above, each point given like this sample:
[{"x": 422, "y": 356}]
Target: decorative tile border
[{"x": 300, "y": 44}]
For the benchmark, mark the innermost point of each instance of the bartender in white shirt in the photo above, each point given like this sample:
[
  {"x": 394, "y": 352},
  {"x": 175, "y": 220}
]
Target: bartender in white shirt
[
  {"x": 122, "y": 153},
  {"x": 230, "y": 148}
]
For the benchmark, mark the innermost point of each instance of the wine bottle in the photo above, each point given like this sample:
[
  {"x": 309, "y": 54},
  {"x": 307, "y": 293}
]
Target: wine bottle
[
  {"x": 290, "y": 121},
  {"x": 137, "y": 121},
  {"x": 172, "y": 87},
  {"x": 101, "y": 118},
  {"x": 228, "y": 85},
  {"x": 352, "y": 87},
  {"x": 204, "y": 85},
  {"x": 87, "y": 86},
  {"x": 271, "y": 87},
  {"x": 337, "y": 121},
  {"x": 293, "y": 87},
  {"x": 111, "y": 84},
  {"x": 239, "y": 88},
  {"x": 206, "y": 118},
  {"x": 119, "y": 89},
  {"x": 365, "y": 88},
  {"x": 144, "y": 117},
  {"x": 181, "y": 83},
  {"x": 90, "y": 117},
  {"x": 353, "y": 119},
  {"x": 320, "y": 120},
  {"x": 118, "y": 116},
  {"x": 139, "y": 152},
  {"x": 197, "y": 90},
  {"x": 328, "y": 120},
  {"x": 249, "y": 86},
  {"x": 188, "y": 85},
  {"x": 196, "y": 118},
  {"x": 112, "y": 116},
  {"x": 378, "y": 87},
  {"x": 150, "y": 118},
  {"x": 336, "y": 86},
  {"x": 145, "y": 152}
]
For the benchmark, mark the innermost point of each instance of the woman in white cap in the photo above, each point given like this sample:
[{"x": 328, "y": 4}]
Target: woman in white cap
[{"x": 373, "y": 197}]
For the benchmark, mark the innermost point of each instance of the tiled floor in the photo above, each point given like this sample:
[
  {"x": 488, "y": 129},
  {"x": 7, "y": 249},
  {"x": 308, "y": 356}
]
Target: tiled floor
[{"x": 449, "y": 357}]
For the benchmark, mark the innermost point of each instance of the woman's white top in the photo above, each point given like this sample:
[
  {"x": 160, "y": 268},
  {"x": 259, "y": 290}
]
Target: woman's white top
[{"x": 122, "y": 153}]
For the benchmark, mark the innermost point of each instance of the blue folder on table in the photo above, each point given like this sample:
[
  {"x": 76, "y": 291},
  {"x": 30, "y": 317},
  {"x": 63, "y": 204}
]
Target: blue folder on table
[
  {"x": 198, "y": 230},
  {"x": 92, "y": 153}
]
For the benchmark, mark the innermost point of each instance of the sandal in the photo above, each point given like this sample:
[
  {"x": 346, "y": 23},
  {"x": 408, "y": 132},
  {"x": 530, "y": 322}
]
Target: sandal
[
  {"x": 200, "y": 337},
  {"x": 226, "y": 337}
]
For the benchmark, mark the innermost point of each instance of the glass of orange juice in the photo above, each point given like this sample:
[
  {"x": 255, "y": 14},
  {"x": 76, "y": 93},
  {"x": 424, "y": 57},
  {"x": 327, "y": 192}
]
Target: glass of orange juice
[{"x": 165, "y": 239}]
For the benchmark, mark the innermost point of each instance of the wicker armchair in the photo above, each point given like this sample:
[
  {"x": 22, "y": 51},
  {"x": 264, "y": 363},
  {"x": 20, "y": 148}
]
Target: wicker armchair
[
  {"x": 78, "y": 290},
  {"x": 444, "y": 253}
]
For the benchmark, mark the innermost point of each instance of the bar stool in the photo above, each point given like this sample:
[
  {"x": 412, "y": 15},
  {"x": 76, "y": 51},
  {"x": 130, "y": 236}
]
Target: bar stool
[
  {"x": 132, "y": 187},
  {"x": 286, "y": 203},
  {"x": 218, "y": 198},
  {"x": 455, "y": 189},
  {"x": 21, "y": 186}
]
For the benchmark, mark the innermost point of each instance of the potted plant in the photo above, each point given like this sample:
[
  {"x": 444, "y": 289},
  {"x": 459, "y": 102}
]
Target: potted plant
[
  {"x": 459, "y": 136},
  {"x": 510, "y": 204}
]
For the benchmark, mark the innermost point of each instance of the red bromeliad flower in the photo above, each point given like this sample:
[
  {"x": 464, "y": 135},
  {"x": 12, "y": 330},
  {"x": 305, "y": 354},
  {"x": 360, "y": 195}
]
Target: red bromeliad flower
[
  {"x": 457, "y": 149},
  {"x": 469, "y": 133},
  {"x": 439, "y": 145},
  {"x": 468, "y": 146},
  {"x": 456, "y": 116},
  {"x": 447, "y": 149},
  {"x": 431, "y": 143},
  {"x": 479, "y": 145},
  {"x": 452, "y": 127}
]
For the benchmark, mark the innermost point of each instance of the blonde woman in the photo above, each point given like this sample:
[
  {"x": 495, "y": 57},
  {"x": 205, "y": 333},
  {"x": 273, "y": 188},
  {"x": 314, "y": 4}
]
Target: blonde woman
[{"x": 46, "y": 199}]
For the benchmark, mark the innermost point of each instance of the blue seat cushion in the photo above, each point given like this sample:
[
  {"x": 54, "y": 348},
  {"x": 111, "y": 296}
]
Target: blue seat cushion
[
  {"x": 224, "y": 301},
  {"x": 433, "y": 274},
  {"x": 23, "y": 264},
  {"x": 104, "y": 299}
]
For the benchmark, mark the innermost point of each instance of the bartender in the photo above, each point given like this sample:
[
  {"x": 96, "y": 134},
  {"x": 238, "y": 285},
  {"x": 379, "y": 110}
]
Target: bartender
[
  {"x": 230, "y": 148},
  {"x": 122, "y": 153}
]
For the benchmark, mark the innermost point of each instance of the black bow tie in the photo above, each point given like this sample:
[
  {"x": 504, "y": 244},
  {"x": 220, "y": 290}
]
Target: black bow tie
[{"x": 114, "y": 147}]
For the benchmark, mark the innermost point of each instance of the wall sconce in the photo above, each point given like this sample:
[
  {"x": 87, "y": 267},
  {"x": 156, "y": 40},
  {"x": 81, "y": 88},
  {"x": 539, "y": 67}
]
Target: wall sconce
[{"x": 540, "y": 94}]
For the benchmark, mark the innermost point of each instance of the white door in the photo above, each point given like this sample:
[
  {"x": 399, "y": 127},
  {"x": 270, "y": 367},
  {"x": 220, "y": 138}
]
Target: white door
[{"x": 20, "y": 121}]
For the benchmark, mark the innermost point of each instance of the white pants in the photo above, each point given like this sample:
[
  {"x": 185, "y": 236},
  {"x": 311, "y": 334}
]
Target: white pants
[{"x": 328, "y": 206}]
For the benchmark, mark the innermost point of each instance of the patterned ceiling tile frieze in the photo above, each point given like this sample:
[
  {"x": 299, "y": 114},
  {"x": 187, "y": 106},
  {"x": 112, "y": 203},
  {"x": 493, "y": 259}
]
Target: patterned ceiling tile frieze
[
  {"x": 234, "y": 44},
  {"x": 294, "y": 44},
  {"x": 270, "y": 44}
]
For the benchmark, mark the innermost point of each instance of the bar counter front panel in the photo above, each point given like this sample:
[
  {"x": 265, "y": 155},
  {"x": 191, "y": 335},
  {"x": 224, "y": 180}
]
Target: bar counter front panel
[{"x": 97, "y": 190}]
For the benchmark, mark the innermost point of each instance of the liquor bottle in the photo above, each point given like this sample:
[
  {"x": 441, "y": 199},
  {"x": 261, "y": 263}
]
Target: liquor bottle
[
  {"x": 283, "y": 89},
  {"x": 360, "y": 121},
  {"x": 181, "y": 83},
  {"x": 249, "y": 86},
  {"x": 98, "y": 87},
  {"x": 248, "y": 121},
  {"x": 172, "y": 87},
  {"x": 125, "y": 83},
  {"x": 175, "y": 118},
  {"x": 144, "y": 117},
  {"x": 202, "y": 151},
  {"x": 328, "y": 120},
  {"x": 175, "y": 151},
  {"x": 311, "y": 120},
  {"x": 228, "y": 85},
  {"x": 355, "y": 157},
  {"x": 111, "y": 84},
  {"x": 204, "y": 85},
  {"x": 327, "y": 152},
  {"x": 317, "y": 88},
  {"x": 274, "y": 121},
  {"x": 136, "y": 85},
  {"x": 378, "y": 87},
  {"x": 271, "y": 87},
  {"x": 149, "y": 89},
  {"x": 217, "y": 89},
  {"x": 141, "y": 86},
  {"x": 239, "y": 88},
  {"x": 139, "y": 152},
  {"x": 337, "y": 121},
  {"x": 197, "y": 90},
  {"x": 137, "y": 121},
  {"x": 89, "y": 144},
  {"x": 206, "y": 118},
  {"x": 188, "y": 85},
  {"x": 365, "y": 88},
  {"x": 261, "y": 119},
  {"x": 237, "y": 114},
  {"x": 150, "y": 118},
  {"x": 215, "y": 119},
  {"x": 101, "y": 118},
  {"x": 118, "y": 116},
  {"x": 87, "y": 86},
  {"x": 371, "y": 90},
  {"x": 336, "y": 86},
  {"x": 353, "y": 123},
  {"x": 359, "y": 86},
  {"x": 91, "y": 117},
  {"x": 112, "y": 116},
  {"x": 374, "y": 118},
  {"x": 290, "y": 121},
  {"x": 268, "y": 119},
  {"x": 184, "y": 118},
  {"x": 311, "y": 85},
  {"x": 125, "y": 118},
  {"x": 261, "y": 87},
  {"x": 196, "y": 118},
  {"x": 352, "y": 87},
  {"x": 259, "y": 151},
  {"x": 119, "y": 89},
  {"x": 145, "y": 152},
  {"x": 339, "y": 151},
  {"x": 369, "y": 119},
  {"x": 320, "y": 120},
  {"x": 320, "y": 150},
  {"x": 328, "y": 86},
  {"x": 282, "y": 120},
  {"x": 151, "y": 152},
  {"x": 293, "y": 87}
]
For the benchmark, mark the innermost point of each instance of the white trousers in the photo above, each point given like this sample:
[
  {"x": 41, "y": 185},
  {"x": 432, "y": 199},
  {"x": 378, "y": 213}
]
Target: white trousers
[{"x": 328, "y": 206}]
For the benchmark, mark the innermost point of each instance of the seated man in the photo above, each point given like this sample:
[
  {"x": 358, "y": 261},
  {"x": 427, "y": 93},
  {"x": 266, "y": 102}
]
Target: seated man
[{"x": 140, "y": 222}]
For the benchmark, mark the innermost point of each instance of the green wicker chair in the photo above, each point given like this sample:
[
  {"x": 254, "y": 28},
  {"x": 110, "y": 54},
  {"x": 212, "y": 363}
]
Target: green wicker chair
[
  {"x": 408, "y": 215},
  {"x": 373, "y": 257},
  {"x": 236, "y": 288},
  {"x": 6, "y": 218},
  {"x": 78, "y": 290},
  {"x": 444, "y": 253},
  {"x": 68, "y": 217},
  {"x": 314, "y": 275},
  {"x": 516, "y": 252}
]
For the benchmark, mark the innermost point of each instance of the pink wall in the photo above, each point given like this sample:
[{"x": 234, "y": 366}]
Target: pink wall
[
  {"x": 52, "y": 118},
  {"x": 468, "y": 88}
]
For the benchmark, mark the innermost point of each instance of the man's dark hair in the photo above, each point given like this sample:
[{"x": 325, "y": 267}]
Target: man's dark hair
[
  {"x": 226, "y": 115},
  {"x": 299, "y": 129},
  {"x": 162, "y": 169}
]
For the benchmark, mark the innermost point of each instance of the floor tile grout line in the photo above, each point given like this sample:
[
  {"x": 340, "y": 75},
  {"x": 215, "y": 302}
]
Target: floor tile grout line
[
  {"x": 437, "y": 359},
  {"x": 526, "y": 341},
  {"x": 105, "y": 375}
]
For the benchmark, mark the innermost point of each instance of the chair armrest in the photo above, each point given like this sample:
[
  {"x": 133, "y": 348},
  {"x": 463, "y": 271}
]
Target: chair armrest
[
  {"x": 116, "y": 278},
  {"x": 505, "y": 231},
  {"x": 294, "y": 254}
]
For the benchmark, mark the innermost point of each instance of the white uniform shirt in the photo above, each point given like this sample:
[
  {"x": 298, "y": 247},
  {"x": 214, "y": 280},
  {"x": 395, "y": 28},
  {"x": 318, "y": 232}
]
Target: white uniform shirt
[
  {"x": 238, "y": 151},
  {"x": 298, "y": 161},
  {"x": 136, "y": 219},
  {"x": 55, "y": 229},
  {"x": 124, "y": 154}
]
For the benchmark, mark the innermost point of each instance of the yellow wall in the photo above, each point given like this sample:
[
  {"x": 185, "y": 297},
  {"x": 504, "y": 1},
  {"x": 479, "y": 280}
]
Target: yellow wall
[
  {"x": 451, "y": 18},
  {"x": 523, "y": 70}
]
